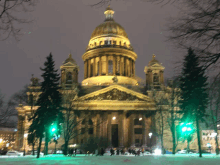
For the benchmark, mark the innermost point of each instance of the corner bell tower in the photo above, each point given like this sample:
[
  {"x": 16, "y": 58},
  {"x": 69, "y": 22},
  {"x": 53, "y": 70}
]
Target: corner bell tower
[
  {"x": 69, "y": 72},
  {"x": 154, "y": 74}
]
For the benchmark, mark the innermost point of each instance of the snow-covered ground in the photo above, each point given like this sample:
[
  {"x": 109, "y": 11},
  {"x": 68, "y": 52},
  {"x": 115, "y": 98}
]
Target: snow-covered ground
[{"x": 191, "y": 159}]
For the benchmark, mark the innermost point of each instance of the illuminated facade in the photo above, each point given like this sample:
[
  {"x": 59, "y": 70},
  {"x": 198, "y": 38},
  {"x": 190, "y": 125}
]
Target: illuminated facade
[{"x": 110, "y": 93}]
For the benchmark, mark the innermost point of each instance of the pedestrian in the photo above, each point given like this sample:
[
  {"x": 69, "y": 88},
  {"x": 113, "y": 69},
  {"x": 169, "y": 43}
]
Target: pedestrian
[
  {"x": 142, "y": 151},
  {"x": 102, "y": 151},
  {"x": 117, "y": 151},
  {"x": 111, "y": 151},
  {"x": 96, "y": 152},
  {"x": 129, "y": 151},
  {"x": 75, "y": 151},
  {"x": 138, "y": 152}
]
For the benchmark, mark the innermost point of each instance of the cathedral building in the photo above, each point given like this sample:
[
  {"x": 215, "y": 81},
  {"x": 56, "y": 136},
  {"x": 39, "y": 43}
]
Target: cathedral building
[{"x": 112, "y": 102}]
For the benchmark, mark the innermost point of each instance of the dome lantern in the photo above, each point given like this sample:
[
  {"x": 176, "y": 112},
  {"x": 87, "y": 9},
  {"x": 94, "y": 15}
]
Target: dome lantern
[{"x": 109, "y": 13}]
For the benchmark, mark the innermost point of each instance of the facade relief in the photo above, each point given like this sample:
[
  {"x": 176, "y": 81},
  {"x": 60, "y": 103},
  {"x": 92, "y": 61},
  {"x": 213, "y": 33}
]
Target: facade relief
[{"x": 115, "y": 94}]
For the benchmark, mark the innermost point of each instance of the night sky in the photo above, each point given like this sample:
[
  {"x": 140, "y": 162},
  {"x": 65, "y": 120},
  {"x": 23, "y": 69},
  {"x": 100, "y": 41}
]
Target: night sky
[{"x": 61, "y": 26}]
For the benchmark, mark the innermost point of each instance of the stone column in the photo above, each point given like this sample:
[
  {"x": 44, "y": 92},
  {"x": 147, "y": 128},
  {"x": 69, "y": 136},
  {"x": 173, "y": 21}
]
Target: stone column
[
  {"x": 98, "y": 124},
  {"x": 121, "y": 129},
  {"x": 85, "y": 69},
  {"x": 86, "y": 128},
  {"x": 125, "y": 66},
  {"x": 133, "y": 68},
  {"x": 94, "y": 66},
  {"x": 95, "y": 127},
  {"x": 120, "y": 73},
  {"x": 89, "y": 67},
  {"x": 109, "y": 129},
  {"x": 106, "y": 64},
  {"x": 100, "y": 66},
  {"x": 132, "y": 130},
  {"x": 114, "y": 65},
  {"x": 161, "y": 77},
  {"x": 144, "y": 135}
]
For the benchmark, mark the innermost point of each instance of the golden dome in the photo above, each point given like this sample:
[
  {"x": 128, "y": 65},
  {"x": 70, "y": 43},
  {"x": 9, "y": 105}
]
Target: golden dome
[{"x": 109, "y": 26}]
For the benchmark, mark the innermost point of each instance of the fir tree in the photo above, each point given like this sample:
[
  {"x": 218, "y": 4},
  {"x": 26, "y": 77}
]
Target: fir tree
[
  {"x": 49, "y": 103},
  {"x": 194, "y": 97}
]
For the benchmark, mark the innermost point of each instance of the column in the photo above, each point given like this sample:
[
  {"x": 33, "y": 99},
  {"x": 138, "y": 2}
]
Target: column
[
  {"x": 120, "y": 66},
  {"x": 94, "y": 66},
  {"x": 121, "y": 129},
  {"x": 86, "y": 134},
  {"x": 100, "y": 66},
  {"x": 144, "y": 138},
  {"x": 161, "y": 77},
  {"x": 85, "y": 69},
  {"x": 109, "y": 127},
  {"x": 114, "y": 65},
  {"x": 95, "y": 127},
  {"x": 89, "y": 68},
  {"x": 132, "y": 130},
  {"x": 133, "y": 68},
  {"x": 98, "y": 124},
  {"x": 125, "y": 67},
  {"x": 106, "y": 64}
]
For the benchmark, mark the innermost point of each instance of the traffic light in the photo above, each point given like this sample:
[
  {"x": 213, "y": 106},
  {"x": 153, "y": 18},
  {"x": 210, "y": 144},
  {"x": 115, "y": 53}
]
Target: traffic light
[{"x": 185, "y": 130}]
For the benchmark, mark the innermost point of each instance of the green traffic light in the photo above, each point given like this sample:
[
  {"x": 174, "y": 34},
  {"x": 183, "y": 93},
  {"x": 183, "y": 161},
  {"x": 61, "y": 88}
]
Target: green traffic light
[{"x": 53, "y": 129}]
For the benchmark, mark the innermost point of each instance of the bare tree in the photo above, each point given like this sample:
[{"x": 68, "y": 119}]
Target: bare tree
[
  {"x": 10, "y": 17},
  {"x": 214, "y": 105},
  {"x": 6, "y": 110}
]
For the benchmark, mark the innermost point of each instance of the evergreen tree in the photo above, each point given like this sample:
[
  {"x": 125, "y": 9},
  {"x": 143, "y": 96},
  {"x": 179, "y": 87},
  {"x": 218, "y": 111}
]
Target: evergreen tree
[
  {"x": 49, "y": 103},
  {"x": 194, "y": 97}
]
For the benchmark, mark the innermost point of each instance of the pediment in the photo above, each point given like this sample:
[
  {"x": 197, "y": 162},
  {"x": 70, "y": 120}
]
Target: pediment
[
  {"x": 69, "y": 64},
  {"x": 116, "y": 93}
]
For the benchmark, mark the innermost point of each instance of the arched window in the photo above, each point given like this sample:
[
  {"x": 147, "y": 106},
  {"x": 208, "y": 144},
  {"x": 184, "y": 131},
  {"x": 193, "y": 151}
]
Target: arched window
[
  {"x": 95, "y": 43},
  {"x": 110, "y": 67},
  {"x": 90, "y": 122},
  {"x": 106, "y": 42},
  {"x": 156, "y": 78},
  {"x": 100, "y": 43},
  {"x": 83, "y": 122},
  {"x": 69, "y": 78},
  {"x": 120, "y": 43}
]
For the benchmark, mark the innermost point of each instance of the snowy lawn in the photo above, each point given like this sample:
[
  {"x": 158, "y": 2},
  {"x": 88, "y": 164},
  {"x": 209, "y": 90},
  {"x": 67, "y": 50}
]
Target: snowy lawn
[{"x": 180, "y": 159}]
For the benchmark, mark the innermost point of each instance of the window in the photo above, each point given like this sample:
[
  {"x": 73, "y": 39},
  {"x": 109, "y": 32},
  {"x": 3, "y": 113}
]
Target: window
[
  {"x": 138, "y": 130},
  {"x": 95, "y": 43},
  {"x": 110, "y": 66},
  {"x": 100, "y": 43},
  {"x": 84, "y": 122},
  {"x": 69, "y": 77},
  {"x": 120, "y": 43},
  {"x": 156, "y": 78},
  {"x": 90, "y": 122},
  {"x": 137, "y": 122},
  {"x": 106, "y": 42},
  {"x": 114, "y": 42},
  {"x": 90, "y": 130},
  {"x": 83, "y": 130}
]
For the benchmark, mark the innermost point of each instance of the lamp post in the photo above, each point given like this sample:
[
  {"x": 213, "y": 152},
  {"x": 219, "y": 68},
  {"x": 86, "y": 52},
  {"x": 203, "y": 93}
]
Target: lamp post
[{"x": 25, "y": 137}]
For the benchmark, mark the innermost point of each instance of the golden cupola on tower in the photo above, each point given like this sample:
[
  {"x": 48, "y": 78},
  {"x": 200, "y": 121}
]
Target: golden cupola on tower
[{"x": 109, "y": 54}]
